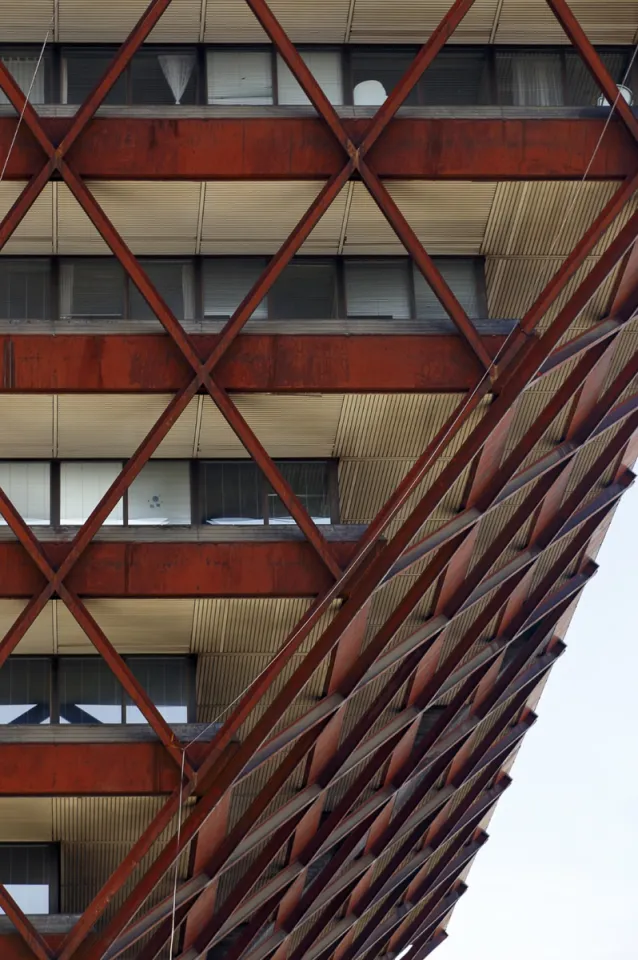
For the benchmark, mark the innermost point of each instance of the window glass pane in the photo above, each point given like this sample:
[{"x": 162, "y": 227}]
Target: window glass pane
[
  {"x": 456, "y": 77},
  {"x": 167, "y": 77},
  {"x": 240, "y": 76},
  {"x": 31, "y": 78},
  {"x": 231, "y": 493},
  {"x": 168, "y": 682},
  {"x": 174, "y": 281},
  {"x": 463, "y": 275},
  {"x": 161, "y": 494},
  {"x": 92, "y": 288},
  {"x": 82, "y": 486},
  {"x": 305, "y": 291},
  {"x": 378, "y": 288},
  {"x": 529, "y": 78},
  {"x": 325, "y": 66},
  {"x": 83, "y": 69},
  {"x": 376, "y": 72},
  {"x": 582, "y": 89},
  {"x": 28, "y": 486},
  {"x": 24, "y": 289},
  {"x": 89, "y": 691},
  {"x": 309, "y": 481},
  {"x": 25, "y": 690},
  {"x": 29, "y": 872},
  {"x": 226, "y": 281}
]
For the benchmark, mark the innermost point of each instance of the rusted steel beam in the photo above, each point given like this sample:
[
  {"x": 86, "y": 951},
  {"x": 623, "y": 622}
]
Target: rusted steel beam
[
  {"x": 30, "y": 936},
  {"x": 32, "y": 769},
  {"x": 296, "y": 148},
  {"x": 255, "y": 363},
  {"x": 202, "y": 849},
  {"x": 286, "y": 568},
  {"x": 425, "y": 264},
  {"x": 593, "y": 62},
  {"x": 490, "y": 614}
]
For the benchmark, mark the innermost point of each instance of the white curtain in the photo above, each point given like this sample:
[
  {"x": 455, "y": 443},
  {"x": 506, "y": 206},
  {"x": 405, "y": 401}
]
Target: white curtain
[
  {"x": 188, "y": 290},
  {"x": 66, "y": 290},
  {"x": 177, "y": 68},
  {"x": 22, "y": 70},
  {"x": 537, "y": 81}
]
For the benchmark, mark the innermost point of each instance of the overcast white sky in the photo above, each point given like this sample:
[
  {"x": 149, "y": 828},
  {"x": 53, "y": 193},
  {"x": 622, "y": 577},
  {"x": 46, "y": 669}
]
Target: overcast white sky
[{"x": 558, "y": 878}]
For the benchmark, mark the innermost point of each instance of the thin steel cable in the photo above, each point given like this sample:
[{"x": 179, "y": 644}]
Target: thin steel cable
[{"x": 26, "y": 100}]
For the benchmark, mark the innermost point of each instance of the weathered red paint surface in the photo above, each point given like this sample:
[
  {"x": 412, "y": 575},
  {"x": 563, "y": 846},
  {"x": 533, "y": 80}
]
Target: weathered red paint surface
[
  {"x": 240, "y": 569},
  {"x": 89, "y": 769},
  {"x": 259, "y": 363},
  {"x": 290, "y": 148}
]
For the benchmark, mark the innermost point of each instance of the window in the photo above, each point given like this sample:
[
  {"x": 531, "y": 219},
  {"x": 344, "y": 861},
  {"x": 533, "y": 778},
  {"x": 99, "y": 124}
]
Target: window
[
  {"x": 325, "y": 66},
  {"x": 240, "y": 77},
  {"x": 376, "y": 72},
  {"x": 82, "y": 486},
  {"x": 169, "y": 683},
  {"x": 582, "y": 89},
  {"x": 231, "y": 493},
  {"x": 226, "y": 281},
  {"x": 174, "y": 280},
  {"x": 88, "y": 691},
  {"x": 160, "y": 494},
  {"x": 306, "y": 290},
  {"x": 309, "y": 480},
  {"x": 530, "y": 78},
  {"x": 72, "y": 690},
  {"x": 235, "y": 492},
  {"x": 25, "y": 691},
  {"x": 464, "y": 276},
  {"x": 158, "y": 76},
  {"x": 24, "y": 289},
  {"x": 28, "y": 485},
  {"x": 82, "y": 70},
  {"x": 91, "y": 288},
  {"x": 30, "y": 872},
  {"x": 457, "y": 77},
  {"x": 378, "y": 288},
  {"x": 22, "y": 64},
  {"x": 164, "y": 77}
]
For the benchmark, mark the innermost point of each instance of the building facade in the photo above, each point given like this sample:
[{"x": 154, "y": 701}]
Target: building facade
[{"x": 319, "y": 391}]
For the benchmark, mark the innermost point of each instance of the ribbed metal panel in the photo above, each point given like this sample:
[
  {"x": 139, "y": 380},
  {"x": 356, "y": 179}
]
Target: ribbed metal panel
[
  {"x": 113, "y": 425},
  {"x": 26, "y": 819},
  {"x": 132, "y": 626},
  {"x": 396, "y": 425},
  {"x": 39, "y": 637},
  {"x": 412, "y": 21},
  {"x": 153, "y": 218},
  {"x": 27, "y": 426},
  {"x": 251, "y": 217},
  {"x": 604, "y": 21},
  {"x": 244, "y": 626},
  {"x": 27, "y": 25},
  {"x": 34, "y": 234},
  {"x": 288, "y": 426},
  {"x": 447, "y": 218},
  {"x": 231, "y": 20}
]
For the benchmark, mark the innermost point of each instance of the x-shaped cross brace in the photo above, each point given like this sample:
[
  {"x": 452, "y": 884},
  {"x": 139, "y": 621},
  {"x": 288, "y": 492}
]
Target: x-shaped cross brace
[{"x": 355, "y": 162}]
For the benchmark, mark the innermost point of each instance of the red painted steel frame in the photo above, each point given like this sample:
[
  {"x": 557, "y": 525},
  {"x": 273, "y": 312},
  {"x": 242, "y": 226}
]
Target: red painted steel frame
[{"x": 516, "y": 374}]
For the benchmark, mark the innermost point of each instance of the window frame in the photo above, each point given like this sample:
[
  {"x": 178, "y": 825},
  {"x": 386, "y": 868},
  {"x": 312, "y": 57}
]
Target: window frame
[
  {"x": 332, "y": 467},
  {"x": 54, "y": 662},
  {"x": 53, "y": 868}
]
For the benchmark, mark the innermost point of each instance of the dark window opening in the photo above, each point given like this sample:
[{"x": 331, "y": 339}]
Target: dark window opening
[
  {"x": 83, "y": 690},
  {"x": 31, "y": 874}
]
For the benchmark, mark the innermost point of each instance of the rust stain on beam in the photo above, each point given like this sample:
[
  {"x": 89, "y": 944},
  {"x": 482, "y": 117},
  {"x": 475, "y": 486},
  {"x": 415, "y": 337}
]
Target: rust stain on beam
[
  {"x": 121, "y": 569},
  {"x": 89, "y": 769},
  {"x": 293, "y": 148},
  {"x": 260, "y": 363}
]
